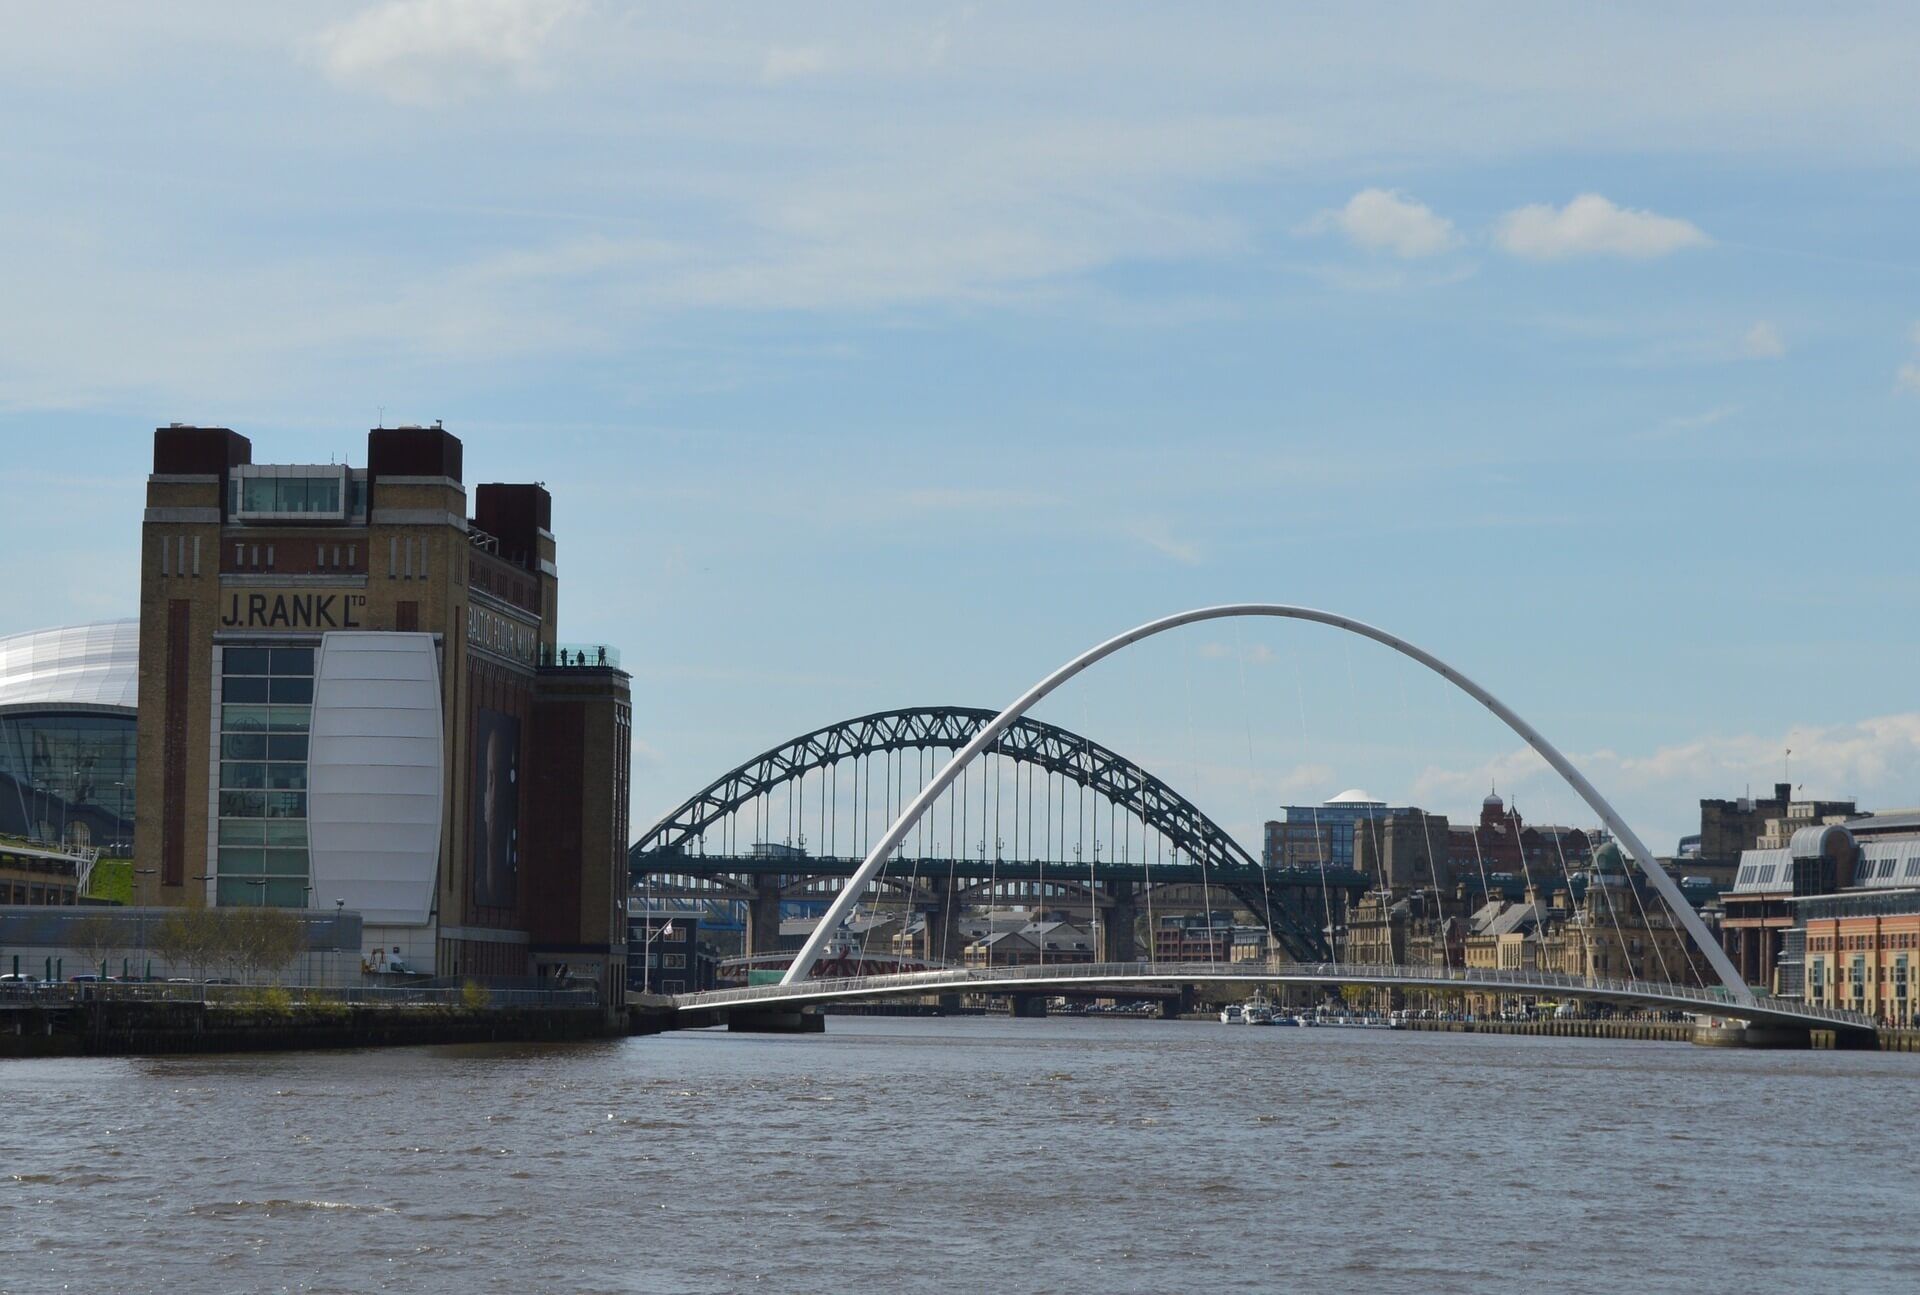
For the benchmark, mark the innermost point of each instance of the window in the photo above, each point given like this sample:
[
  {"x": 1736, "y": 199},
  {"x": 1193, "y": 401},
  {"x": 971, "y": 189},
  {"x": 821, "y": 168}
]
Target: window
[
  {"x": 266, "y": 707},
  {"x": 314, "y": 492},
  {"x": 675, "y": 961}
]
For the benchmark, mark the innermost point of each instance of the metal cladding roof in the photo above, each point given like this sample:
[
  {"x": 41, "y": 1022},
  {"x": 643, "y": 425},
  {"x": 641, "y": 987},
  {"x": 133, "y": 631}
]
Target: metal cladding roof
[
  {"x": 1906, "y": 820},
  {"x": 1811, "y": 842},
  {"x": 95, "y": 665},
  {"x": 1763, "y": 872},
  {"x": 1888, "y": 864}
]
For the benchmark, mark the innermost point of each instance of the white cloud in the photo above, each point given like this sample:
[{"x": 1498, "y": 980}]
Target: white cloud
[
  {"x": 1705, "y": 418},
  {"x": 1386, "y": 220},
  {"x": 1876, "y": 760},
  {"x": 1907, "y": 376},
  {"x": 434, "y": 51},
  {"x": 1157, "y": 536},
  {"x": 957, "y": 499},
  {"x": 794, "y": 62},
  {"x": 1763, "y": 342},
  {"x": 1592, "y": 226}
]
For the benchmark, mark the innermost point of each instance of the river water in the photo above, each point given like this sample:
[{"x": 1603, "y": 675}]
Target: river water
[{"x": 895, "y": 1154}]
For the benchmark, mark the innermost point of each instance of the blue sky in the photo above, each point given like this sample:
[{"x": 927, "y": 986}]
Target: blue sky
[{"x": 883, "y": 354}]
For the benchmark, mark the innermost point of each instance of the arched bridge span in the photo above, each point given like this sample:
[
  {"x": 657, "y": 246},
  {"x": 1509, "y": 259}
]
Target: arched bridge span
[
  {"x": 837, "y": 912},
  {"x": 949, "y": 728},
  {"x": 1292, "y": 904}
]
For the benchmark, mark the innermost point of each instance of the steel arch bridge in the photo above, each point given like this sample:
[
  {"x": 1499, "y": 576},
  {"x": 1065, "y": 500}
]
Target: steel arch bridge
[{"x": 1288, "y": 901}]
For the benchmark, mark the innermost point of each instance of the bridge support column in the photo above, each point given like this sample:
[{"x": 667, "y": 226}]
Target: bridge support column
[
  {"x": 1116, "y": 930},
  {"x": 943, "y": 940},
  {"x": 1026, "y": 1005},
  {"x": 1737, "y": 1035},
  {"x": 1172, "y": 1009},
  {"x": 776, "y": 1020},
  {"x": 763, "y": 916}
]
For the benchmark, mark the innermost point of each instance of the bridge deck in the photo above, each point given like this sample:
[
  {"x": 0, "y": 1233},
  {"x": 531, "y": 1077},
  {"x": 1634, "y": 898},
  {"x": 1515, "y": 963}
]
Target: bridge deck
[{"x": 1037, "y": 979}]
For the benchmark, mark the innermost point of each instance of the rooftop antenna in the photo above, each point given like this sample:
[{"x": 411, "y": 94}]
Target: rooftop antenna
[
  {"x": 383, "y": 416},
  {"x": 1786, "y": 766}
]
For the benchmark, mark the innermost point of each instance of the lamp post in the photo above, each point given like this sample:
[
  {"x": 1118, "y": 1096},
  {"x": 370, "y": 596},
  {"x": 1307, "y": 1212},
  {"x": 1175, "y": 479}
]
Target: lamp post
[
  {"x": 339, "y": 919},
  {"x": 140, "y": 924}
]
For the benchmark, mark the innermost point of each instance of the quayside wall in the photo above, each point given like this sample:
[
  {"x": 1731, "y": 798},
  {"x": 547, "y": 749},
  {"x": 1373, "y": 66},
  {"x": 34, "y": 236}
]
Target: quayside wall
[{"x": 100, "y": 1029}]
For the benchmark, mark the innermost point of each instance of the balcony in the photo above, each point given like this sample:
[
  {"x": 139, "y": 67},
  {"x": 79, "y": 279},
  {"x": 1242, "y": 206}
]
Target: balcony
[{"x": 580, "y": 656}]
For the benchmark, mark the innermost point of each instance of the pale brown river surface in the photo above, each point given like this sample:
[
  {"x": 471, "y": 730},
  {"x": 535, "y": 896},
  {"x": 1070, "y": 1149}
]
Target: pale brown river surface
[{"x": 968, "y": 1154}]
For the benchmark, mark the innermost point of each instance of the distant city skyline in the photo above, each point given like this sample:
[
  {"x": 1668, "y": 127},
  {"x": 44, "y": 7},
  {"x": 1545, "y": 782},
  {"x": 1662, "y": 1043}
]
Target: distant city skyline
[{"x": 874, "y": 357}]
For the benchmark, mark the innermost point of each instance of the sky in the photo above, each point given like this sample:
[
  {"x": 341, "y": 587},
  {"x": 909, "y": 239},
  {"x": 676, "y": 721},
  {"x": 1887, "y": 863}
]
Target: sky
[{"x": 882, "y": 355}]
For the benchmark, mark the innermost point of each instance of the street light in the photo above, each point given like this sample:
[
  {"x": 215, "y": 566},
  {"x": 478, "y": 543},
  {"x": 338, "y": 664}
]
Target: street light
[{"x": 140, "y": 923}]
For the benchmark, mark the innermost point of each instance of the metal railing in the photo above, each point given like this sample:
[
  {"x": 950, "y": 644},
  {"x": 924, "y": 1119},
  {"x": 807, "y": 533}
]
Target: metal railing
[
  {"x": 581, "y": 655},
  {"x": 1711, "y": 1001},
  {"x": 51, "y": 994}
]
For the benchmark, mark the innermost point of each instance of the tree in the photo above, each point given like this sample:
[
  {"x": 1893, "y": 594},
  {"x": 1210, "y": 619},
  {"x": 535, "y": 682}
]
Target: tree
[
  {"x": 264, "y": 941},
  {"x": 96, "y": 936},
  {"x": 190, "y": 940}
]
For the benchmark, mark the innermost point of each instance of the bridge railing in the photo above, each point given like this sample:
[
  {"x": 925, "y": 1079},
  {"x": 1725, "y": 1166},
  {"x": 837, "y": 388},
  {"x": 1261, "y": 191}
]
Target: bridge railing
[{"x": 1710, "y": 1001}]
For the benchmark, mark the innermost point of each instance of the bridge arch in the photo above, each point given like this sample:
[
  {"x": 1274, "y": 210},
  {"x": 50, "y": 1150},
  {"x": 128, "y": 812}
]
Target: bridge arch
[
  {"x": 1203, "y": 852},
  {"x": 1025, "y": 740},
  {"x": 1669, "y": 890}
]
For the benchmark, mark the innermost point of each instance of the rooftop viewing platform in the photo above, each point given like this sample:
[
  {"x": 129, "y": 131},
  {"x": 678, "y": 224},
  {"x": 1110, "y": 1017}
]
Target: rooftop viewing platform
[{"x": 580, "y": 656}]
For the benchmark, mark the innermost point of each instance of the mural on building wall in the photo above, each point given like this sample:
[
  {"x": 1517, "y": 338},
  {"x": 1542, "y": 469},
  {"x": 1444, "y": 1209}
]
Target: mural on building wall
[{"x": 496, "y": 809}]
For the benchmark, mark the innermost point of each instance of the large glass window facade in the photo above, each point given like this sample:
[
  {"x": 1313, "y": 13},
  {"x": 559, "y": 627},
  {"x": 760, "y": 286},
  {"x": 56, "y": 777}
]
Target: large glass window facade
[
  {"x": 291, "y": 494},
  {"x": 67, "y": 779},
  {"x": 266, "y": 707}
]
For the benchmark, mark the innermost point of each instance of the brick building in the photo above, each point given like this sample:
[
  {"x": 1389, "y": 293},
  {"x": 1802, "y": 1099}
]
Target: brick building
[{"x": 352, "y": 695}]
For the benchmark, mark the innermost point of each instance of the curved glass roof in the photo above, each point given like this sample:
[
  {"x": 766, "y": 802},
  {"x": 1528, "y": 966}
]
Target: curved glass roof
[{"x": 95, "y": 665}]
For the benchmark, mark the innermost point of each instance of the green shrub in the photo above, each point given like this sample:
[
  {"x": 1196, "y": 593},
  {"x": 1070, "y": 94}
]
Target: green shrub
[
  {"x": 268, "y": 1000},
  {"x": 474, "y": 996}
]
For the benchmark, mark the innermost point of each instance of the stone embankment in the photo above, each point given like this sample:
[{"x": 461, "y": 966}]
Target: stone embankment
[
  {"x": 1658, "y": 1031},
  {"x": 102, "y": 1029}
]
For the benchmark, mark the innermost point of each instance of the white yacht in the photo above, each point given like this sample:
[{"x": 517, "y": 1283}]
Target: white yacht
[
  {"x": 1230, "y": 1014},
  {"x": 1256, "y": 1011}
]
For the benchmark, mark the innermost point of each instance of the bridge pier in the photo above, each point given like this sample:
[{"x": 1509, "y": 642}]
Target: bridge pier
[
  {"x": 1027, "y": 1006},
  {"x": 943, "y": 939},
  {"x": 1172, "y": 1009},
  {"x": 1737, "y": 1034},
  {"x": 776, "y": 1020},
  {"x": 1116, "y": 933},
  {"x": 763, "y": 916}
]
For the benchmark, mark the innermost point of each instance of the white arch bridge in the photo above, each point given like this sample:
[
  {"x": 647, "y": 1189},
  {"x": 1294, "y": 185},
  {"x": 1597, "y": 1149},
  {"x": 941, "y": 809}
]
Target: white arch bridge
[
  {"x": 1732, "y": 998},
  {"x": 1116, "y": 978}
]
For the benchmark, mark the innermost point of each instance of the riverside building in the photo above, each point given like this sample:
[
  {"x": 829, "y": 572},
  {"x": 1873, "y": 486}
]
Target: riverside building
[{"x": 352, "y": 696}]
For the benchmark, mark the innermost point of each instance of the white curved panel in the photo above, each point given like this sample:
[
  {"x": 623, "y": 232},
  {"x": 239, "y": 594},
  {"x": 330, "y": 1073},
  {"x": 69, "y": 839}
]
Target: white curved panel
[
  {"x": 83, "y": 665},
  {"x": 375, "y": 775}
]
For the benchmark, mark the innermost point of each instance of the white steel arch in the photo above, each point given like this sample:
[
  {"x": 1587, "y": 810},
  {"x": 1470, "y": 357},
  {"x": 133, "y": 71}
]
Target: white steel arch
[{"x": 870, "y": 867}]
